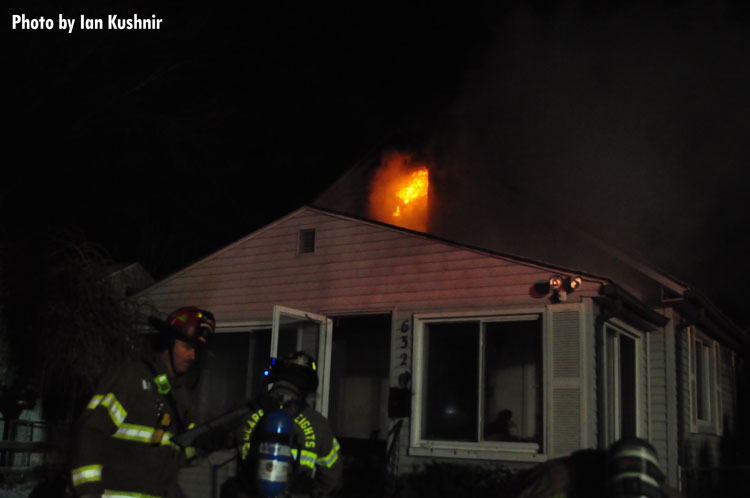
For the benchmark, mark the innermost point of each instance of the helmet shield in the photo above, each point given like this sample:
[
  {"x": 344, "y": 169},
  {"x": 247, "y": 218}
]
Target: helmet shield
[
  {"x": 189, "y": 324},
  {"x": 298, "y": 368}
]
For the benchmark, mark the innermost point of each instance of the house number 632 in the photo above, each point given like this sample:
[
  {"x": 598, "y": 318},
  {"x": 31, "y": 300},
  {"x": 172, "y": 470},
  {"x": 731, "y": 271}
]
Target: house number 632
[{"x": 404, "y": 342}]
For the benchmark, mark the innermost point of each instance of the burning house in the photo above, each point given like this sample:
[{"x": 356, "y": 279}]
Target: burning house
[{"x": 499, "y": 345}]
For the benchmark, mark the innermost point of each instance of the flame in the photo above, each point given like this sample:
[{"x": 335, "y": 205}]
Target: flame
[
  {"x": 400, "y": 190},
  {"x": 416, "y": 188}
]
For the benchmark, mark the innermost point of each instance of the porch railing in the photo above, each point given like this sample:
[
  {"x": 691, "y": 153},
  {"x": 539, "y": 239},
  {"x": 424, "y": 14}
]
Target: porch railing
[{"x": 22, "y": 454}]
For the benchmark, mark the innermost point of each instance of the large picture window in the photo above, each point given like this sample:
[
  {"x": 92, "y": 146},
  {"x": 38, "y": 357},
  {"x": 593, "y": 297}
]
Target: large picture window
[{"x": 480, "y": 382}]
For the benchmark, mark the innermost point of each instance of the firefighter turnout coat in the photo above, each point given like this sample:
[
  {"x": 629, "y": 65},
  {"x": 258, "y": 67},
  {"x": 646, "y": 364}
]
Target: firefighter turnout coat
[
  {"x": 122, "y": 445},
  {"x": 315, "y": 450}
]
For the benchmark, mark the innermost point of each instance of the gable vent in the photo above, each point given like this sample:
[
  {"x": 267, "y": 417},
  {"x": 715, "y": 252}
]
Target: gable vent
[{"x": 306, "y": 242}]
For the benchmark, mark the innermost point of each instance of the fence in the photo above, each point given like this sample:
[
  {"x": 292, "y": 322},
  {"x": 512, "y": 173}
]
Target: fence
[{"x": 24, "y": 447}]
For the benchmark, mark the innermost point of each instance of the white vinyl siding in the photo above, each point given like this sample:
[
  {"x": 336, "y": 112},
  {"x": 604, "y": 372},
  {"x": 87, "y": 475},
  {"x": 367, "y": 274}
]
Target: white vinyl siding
[
  {"x": 356, "y": 266},
  {"x": 662, "y": 397}
]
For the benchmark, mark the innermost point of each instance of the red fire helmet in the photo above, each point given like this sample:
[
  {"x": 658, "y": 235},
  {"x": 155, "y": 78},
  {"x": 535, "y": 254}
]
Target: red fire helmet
[{"x": 188, "y": 323}]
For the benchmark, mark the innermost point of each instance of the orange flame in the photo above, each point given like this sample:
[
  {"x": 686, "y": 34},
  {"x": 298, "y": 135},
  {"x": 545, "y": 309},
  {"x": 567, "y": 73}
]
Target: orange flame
[
  {"x": 399, "y": 192},
  {"x": 416, "y": 188}
]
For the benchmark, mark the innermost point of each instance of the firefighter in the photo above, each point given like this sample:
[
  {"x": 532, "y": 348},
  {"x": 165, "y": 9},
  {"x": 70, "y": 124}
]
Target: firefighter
[
  {"x": 628, "y": 469},
  {"x": 316, "y": 468},
  {"x": 122, "y": 443}
]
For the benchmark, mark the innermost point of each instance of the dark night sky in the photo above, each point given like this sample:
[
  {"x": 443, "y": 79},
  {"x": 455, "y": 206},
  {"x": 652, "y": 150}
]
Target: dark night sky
[{"x": 166, "y": 145}]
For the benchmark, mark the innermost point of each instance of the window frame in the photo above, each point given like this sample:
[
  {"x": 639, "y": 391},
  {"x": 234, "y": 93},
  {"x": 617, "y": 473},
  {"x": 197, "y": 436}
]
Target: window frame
[
  {"x": 710, "y": 381},
  {"x": 613, "y": 373},
  {"x": 495, "y": 450}
]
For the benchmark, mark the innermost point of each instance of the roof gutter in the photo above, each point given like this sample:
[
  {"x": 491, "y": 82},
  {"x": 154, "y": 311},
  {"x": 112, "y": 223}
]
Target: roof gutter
[
  {"x": 618, "y": 303},
  {"x": 697, "y": 310}
]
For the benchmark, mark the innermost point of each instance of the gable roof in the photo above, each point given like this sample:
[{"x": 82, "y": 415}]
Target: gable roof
[
  {"x": 689, "y": 302},
  {"x": 385, "y": 226},
  {"x": 186, "y": 281}
]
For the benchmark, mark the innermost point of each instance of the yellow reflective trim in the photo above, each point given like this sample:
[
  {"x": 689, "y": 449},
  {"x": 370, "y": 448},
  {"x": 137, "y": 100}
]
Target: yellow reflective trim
[
  {"x": 141, "y": 434},
  {"x": 190, "y": 451},
  {"x": 116, "y": 412},
  {"x": 133, "y": 432},
  {"x": 306, "y": 458},
  {"x": 88, "y": 473},
  {"x": 108, "y": 493},
  {"x": 95, "y": 400},
  {"x": 331, "y": 458}
]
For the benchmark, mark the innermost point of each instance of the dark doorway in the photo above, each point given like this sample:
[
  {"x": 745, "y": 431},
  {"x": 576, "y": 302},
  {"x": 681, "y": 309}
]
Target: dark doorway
[
  {"x": 232, "y": 372},
  {"x": 360, "y": 365}
]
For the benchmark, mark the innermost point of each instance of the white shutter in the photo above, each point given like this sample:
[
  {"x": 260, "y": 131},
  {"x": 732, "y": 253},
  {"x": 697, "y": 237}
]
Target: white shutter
[
  {"x": 692, "y": 381},
  {"x": 565, "y": 365},
  {"x": 717, "y": 388}
]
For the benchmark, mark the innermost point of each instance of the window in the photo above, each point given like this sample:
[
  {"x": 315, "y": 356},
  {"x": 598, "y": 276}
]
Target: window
[
  {"x": 705, "y": 383},
  {"x": 622, "y": 394},
  {"x": 479, "y": 382},
  {"x": 306, "y": 243},
  {"x": 701, "y": 360}
]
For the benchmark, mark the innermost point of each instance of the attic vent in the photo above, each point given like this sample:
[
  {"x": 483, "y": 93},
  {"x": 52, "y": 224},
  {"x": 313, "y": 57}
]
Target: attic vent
[{"x": 306, "y": 241}]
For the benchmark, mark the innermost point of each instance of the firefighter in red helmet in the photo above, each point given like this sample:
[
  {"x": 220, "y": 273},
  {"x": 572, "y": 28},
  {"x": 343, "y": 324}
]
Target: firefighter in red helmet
[{"x": 122, "y": 444}]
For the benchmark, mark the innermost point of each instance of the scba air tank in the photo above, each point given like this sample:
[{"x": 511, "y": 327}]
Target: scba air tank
[{"x": 274, "y": 453}]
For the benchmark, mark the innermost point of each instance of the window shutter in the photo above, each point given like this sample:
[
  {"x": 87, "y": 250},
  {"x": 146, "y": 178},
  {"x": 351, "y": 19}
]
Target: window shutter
[
  {"x": 564, "y": 417},
  {"x": 692, "y": 381},
  {"x": 716, "y": 351}
]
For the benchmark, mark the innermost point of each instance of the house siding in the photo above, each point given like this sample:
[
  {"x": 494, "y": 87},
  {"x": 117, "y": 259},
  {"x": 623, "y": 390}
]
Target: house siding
[
  {"x": 356, "y": 267},
  {"x": 658, "y": 419}
]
